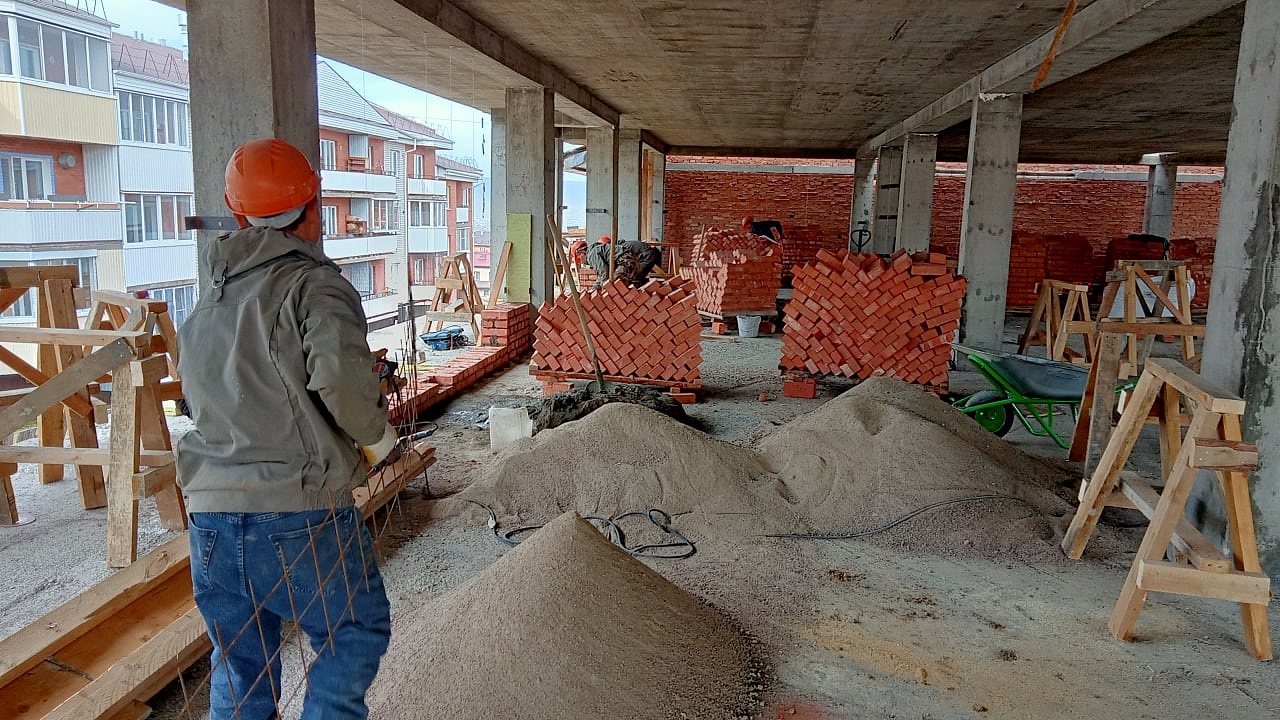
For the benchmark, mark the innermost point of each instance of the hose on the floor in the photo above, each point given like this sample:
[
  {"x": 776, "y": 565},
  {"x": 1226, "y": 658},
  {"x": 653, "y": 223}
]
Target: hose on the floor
[
  {"x": 895, "y": 523},
  {"x": 681, "y": 547}
]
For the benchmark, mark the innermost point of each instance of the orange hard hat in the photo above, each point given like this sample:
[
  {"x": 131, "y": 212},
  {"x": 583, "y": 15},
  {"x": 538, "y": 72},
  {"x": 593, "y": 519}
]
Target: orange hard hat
[
  {"x": 579, "y": 248},
  {"x": 605, "y": 239},
  {"x": 746, "y": 221},
  {"x": 267, "y": 177}
]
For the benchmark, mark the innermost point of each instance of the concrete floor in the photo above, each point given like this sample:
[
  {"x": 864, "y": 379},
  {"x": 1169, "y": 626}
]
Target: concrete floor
[{"x": 851, "y": 630}]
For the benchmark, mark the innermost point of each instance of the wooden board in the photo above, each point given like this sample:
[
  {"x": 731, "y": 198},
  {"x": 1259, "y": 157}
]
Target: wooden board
[
  {"x": 63, "y": 385},
  {"x": 1190, "y": 542},
  {"x": 562, "y": 376},
  {"x": 1241, "y": 587},
  {"x": 1195, "y": 388}
]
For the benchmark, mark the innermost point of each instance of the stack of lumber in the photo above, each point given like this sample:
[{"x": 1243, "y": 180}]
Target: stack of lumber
[
  {"x": 734, "y": 273},
  {"x": 861, "y": 315},
  {"x": 649, "y": 335}
]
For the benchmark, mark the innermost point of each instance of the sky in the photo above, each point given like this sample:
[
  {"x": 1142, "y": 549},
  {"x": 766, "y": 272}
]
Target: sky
[{"x": 466, "y": 126}]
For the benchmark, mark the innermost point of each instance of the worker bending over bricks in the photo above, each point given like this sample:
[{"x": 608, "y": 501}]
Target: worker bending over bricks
[{"x": 633, "y": 260}]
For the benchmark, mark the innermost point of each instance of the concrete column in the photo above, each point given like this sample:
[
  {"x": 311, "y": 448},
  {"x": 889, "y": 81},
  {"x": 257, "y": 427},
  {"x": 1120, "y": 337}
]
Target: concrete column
[
  {"x": 659, "y": 185},
  {"x": 864, "y": 198},
  {"x": 602, "y": 180},
  {"x": 1243, "y": 335},
  {"x": 1162, "y": 181},
  {"x": 629, "y": 149},
  {"x": 497, "y": 179},
  {"x": 531, "y": 184},
  {"x": 274, "y": 43},
  {"x": 559, "y": 213},
  {"x": 915, "y": 197},
  {"x": 986, "y": 232},
  {"x": 884, "y": 229}
]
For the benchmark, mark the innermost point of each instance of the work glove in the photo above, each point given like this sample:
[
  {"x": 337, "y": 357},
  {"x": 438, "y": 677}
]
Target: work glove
[{"x": 384, "y": 452}]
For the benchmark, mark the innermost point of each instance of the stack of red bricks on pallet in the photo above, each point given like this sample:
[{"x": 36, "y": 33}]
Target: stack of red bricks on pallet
[
  {"x": 734, "y": 273},
  {"x": 505, "y": 337},
  {"x": 649, "y": 335},
  {"x": 861, "y": 315}
]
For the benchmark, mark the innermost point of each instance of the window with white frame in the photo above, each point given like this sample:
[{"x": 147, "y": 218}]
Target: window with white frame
[
  {"x": 328, "y": 154},
  {"x": 464, "y": 239},
  {"x": 24, "y": 177},
  {"x": 466, "y": 197},
  {"x": 329, "y": 219},
  {"x": 395, "y": 162},
  {"x": 25, "y": 306},
  {"x": 360, "y": 275},
  {"x": 150, "y": 218},
  {"x": 181, "y": 299},
  {"x": 419, "y": 271},
  {"x": 418, "y": 166},
  {"x": 55, "y": 55},
  {"x": 427, "y": 213},
  {"x": 151, "y": 119},
  {"x": 386, "y": 216}
]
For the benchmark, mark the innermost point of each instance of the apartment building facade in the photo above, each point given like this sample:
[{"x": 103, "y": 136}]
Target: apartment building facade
[{"x": 59, "y": 182}]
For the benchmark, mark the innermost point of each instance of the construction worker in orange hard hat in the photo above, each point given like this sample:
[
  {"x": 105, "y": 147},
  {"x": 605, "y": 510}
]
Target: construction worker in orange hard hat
[
  {"x": 288, "y": 419},
  {"x": 632, "y": 263}
]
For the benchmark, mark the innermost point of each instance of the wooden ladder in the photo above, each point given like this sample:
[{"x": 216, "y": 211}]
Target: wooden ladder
[
  {"x": 457, "y": 299},
  {"x": 1212, "y": 442}
]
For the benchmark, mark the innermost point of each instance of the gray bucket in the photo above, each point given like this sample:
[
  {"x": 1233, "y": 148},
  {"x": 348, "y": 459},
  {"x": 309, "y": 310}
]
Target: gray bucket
[{"x": 748, "y": 326}]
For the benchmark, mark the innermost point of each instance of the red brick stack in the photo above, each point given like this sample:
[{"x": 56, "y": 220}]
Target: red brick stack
[
  {"x": 649, "y": 335},
  {"x": 507, "y": 324},
  {"x": 860, "y": 315},
  {"x": 505, "y": 337},
  {"x": 734, "y": 273}
]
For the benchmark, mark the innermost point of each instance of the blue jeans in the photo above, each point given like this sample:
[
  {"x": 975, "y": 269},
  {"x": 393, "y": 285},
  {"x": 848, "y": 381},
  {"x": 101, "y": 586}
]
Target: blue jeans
[{"x": 253, "y": 571}]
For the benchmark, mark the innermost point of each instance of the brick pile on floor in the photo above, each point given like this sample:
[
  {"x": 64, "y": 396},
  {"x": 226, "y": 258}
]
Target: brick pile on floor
[
  {"x": 648, "y": 335},
  {"x": 734, "y": 272},
  {"x": 861, "y": 315},
  {"x": 505, "y": 337}
]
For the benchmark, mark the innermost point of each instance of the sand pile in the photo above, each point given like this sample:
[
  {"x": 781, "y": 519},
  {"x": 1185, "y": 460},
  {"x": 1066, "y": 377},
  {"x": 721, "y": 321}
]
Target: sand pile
[
  {"x": 562, "y": 407},
  {"x": 885, "y": 448},
  {"x": 626, "y": 457},
  {"x": 564, "y": 626}
]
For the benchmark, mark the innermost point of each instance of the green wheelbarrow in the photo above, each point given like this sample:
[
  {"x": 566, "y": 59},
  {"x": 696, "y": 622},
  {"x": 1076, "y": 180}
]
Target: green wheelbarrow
[{"x": 1023, "y": 388}]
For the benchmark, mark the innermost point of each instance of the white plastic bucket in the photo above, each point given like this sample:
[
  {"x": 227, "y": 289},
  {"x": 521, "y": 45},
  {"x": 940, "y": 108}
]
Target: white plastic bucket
[{"x": 748, "y": 326}]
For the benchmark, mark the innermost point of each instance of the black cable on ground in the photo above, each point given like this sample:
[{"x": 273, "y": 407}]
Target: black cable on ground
[
  {"x": 682, "y": 547},
  {"x": 890, "y": 525}
]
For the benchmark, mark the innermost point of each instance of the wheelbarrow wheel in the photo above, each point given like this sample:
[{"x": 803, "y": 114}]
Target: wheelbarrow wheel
[{"x": 999, "y": 419}]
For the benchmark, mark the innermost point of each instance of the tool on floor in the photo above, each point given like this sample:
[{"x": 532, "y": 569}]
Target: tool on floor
[
  {"x": 554, "y": 243},
  {"x": 679, "y": 548}
]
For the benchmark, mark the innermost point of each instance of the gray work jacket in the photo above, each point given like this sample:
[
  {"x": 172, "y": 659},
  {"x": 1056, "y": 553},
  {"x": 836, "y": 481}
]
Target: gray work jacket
[{"x": 275, "y": 366}]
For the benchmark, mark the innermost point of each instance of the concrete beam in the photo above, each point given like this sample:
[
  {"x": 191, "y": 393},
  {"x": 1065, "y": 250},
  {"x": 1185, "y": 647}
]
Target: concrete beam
[
  {"x": 884, "y": 227},
  {"x": 767, "y": 152},
  {"x": 986, "y": 231},
  {"x": 602, "y": 181},
  {"x": 271, "y": 41},
  {"x": 1242, "y": 341},
  {"x": 1099, "y": 33},
  {"x": 1162, "y": 184},
  {"x": 484, "y": 39},
  {"x": 915, "y": 197}
]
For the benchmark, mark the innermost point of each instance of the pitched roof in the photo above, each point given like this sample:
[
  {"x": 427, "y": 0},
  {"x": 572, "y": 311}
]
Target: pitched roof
[
  {"x": 338, "y": 97},
  {"x": 408, "y": 124},
  {"x": 148, "y": 59},
  {"x": 450, "y": 164}
]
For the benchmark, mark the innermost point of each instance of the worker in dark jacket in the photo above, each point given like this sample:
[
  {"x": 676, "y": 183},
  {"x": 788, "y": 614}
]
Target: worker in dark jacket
[
  {"x": 771, "y": 229},
  {"x": 633, "y": 260},
  {"x": 288, "y": 418}
]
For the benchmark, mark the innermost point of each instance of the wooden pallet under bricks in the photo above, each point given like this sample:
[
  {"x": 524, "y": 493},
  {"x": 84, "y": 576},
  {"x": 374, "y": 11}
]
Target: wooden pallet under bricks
[
  {"x": 105, "y": 652},
  {"x": 1171, "y": 392},
  {"x": 648, "y": 336},
  {"x": 859, "y": 315}
]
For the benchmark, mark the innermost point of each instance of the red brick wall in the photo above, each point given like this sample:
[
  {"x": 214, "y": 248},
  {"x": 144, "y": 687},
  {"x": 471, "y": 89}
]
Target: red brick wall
[
  {"x": 1063, "y": 228},
  {"x": 1074, "y": 229},
  {"x": 65, "y": 182},
  {"x": 428, "y": 155},
  {"x": 818, "y": 205}
]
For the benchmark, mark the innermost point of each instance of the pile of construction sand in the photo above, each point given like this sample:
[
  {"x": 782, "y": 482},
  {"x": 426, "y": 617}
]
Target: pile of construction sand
[
  {"x": 625, "y": 457},
  {"x": 873, "y": 454},
  {"x": 565, "y": 626},
  {"x": 885, "y": 448}
]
